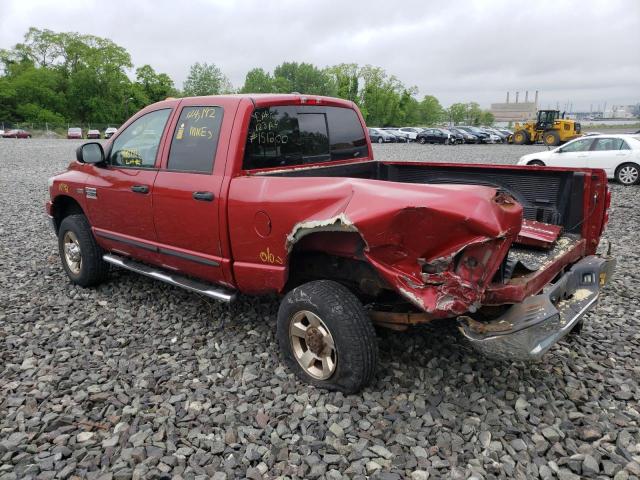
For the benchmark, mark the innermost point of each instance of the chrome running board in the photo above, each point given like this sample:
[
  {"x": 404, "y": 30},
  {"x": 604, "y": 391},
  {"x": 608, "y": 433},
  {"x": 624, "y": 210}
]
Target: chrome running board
[{"x": 211, "y": 291}]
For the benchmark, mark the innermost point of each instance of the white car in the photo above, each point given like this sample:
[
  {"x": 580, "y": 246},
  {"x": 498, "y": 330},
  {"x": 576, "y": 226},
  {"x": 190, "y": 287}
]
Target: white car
[
  {"x": 617, "y": 155},
  {"x": 412, "y": 132},
  {"x": 108, "y": 133}
]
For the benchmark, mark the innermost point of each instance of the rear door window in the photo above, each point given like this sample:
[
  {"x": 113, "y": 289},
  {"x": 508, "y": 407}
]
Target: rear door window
[
  {"x": 282, "y": 136},
  {"x": 604, "y": 144},
  {"x": 195, "y": 140}
]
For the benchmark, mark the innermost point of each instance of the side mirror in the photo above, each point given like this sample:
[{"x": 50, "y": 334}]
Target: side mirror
[{"x": 90, "y": 153}]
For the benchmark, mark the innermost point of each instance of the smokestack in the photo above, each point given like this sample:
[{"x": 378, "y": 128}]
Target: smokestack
[
  {"x": 507, "y": 97},
  {"x": 526, "y": 96},
  {"x": 517, "y": 95},
  {"x": 536, "y": 98}
]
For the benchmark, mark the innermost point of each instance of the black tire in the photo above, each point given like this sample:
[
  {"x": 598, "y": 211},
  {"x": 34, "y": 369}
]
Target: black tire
[
  {"x": 521, "y": 137},
  {"x": 422, "y": 140},
  {"x": 551, "y": 138},
  {"x": 354, "y": 338},
  {"x": 536, "y": 163},
  {"x": 628, "y": 174},
  {"x": 93, "y": 269}
]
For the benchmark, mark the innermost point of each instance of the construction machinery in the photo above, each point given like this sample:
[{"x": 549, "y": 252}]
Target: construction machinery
[{"x": 550, "y": 127}]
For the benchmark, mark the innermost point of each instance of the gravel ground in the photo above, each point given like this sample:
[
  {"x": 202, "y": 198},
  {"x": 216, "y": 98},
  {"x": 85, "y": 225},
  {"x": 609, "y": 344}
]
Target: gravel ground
[{"x": 139, "y": 379}]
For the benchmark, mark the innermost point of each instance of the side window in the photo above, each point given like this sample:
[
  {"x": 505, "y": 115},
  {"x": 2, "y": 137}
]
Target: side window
[
  {"x": 137, "y": 145},
  {"x": 578, "y": 145},
  {"x": 297, "y": 135},
  {"x": 602, "y": 144},
  {"x": 195, "y": 139}
]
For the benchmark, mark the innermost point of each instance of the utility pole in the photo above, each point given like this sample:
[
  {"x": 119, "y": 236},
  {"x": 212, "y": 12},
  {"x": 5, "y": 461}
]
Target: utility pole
[{"x": 126, "y": 108}]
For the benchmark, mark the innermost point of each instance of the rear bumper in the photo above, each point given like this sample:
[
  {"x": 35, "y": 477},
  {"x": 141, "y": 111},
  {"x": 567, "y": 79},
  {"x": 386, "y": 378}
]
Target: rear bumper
[{"x": 528, "y": 329}]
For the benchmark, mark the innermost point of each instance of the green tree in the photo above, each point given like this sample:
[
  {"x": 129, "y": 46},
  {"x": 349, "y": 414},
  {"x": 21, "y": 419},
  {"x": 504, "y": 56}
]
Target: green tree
[
  {"x": 431, "y": 112},
  {"x": 206, "y": 79},
  {"x": 303, "y": 78},
  {"x": 345, "y": 78},
  {"x": 457, "y": 112},
  {"x": 487, "y": 118},
  {"x": 473, "y": 113},
  {"x": 156, "y": 86},
  {"x": 257, "y": 81}
]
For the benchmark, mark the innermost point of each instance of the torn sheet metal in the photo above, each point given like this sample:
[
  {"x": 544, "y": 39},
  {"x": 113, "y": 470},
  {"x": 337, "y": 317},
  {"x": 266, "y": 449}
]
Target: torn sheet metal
[{"x": 538, "y": 234}]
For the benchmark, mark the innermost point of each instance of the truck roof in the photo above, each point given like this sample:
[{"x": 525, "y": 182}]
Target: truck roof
[{"x": 263, "y": 99}]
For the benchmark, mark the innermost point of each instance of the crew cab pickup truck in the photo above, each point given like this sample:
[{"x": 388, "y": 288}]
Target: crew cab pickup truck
[{"x": 265, "y": 194}]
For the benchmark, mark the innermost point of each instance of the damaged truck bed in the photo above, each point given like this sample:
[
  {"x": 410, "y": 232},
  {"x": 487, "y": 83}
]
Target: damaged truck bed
[
  {"x": 507, "y": 251},
  {"x": 264, "y": 194}
]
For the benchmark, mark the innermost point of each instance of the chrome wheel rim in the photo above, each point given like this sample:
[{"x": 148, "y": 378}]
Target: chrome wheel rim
[
  {"x": 628, "y": 175},
  {"x": 72, "y": 253},
  {"x": 312, "y": 345}
]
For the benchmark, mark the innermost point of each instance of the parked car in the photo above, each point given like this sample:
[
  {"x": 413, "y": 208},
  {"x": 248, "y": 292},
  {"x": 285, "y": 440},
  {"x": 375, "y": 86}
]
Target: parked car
[
  {"x": 108, "y": 133},
  {"x": 401, "y": 137},
  {"x": 483, "y": 137},
  {"x": 16, "y": 133},
  {"x": 466, "y": 136},
  {"x": 320, "y": 223},
  {"x": 380, "y": 136},
  {"x": 74, "y": 133},
  {"x": 1, "y": 133},
  {"x": 93, "y": 134},
  {"x": 433, "y": 135},
  {"x": 502, "y": 137},
  {"x": 412, "y": 132},
  {"x": 454, "y": 138},
  {"x": 617, "y": 155}
]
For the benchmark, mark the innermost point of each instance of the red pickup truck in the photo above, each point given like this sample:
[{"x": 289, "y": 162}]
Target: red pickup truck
[{"x": 280, "y": 194}]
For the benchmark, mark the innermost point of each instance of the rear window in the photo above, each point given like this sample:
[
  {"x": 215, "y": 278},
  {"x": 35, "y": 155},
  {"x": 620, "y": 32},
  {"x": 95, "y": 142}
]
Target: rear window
[
  {"x": 74, "y": 130},
  {"x": 282, "y": 136}
]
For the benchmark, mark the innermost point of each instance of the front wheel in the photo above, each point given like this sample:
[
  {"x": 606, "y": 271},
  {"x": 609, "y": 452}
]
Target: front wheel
[
  {"x": 81, "y": 255},
  {"x": 422, "y": 140},
  {"x": 326, "y": 337},
  {"x": 628, "y": 174},
  {"x": 551, "y": 138},
  {"x": 536, "y": 163}
]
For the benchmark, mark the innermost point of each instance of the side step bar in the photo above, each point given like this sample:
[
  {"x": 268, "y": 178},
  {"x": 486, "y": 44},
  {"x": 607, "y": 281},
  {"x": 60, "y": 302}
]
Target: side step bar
[{"x": 208, "y": 290}]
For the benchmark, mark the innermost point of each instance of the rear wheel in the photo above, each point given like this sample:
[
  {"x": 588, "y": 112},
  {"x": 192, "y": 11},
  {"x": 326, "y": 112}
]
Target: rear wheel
[
  {"x": 81, "y": 255},
  {"x": 628, "y": 174},
  {"x": 521, "y": 137},
  {"x": 380, "y": 140},
  {"x": 536, "y": 163},
  {"x": 551, "y": 138},
  {"x": 326, "y": 337}
]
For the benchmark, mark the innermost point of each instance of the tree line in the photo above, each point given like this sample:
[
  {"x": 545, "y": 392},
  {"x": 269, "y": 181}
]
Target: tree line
[{"x": 61, "y": 77}]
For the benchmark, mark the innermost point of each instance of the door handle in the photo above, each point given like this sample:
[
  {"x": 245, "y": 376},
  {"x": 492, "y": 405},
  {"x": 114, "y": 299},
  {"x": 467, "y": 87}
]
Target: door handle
[
  {"x": 203, "y": 196},
  {"x": 140, "y": 188}
]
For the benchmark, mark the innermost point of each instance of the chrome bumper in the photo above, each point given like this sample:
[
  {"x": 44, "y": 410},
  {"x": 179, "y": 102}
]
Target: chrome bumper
[{"x": 528, "y": 329}]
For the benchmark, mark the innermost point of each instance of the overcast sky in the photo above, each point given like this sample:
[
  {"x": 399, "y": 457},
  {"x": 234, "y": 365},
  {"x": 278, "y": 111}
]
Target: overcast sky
[{"x": 583, "y": 52}]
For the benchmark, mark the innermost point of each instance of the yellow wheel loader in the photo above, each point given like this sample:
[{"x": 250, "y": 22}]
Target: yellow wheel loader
[{"x": 549, "y": 128}]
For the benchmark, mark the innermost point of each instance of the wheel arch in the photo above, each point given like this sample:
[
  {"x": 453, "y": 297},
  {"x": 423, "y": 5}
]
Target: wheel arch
[
  {"x": 62, "y": 207},
  {"x": 337, "y": 256}
]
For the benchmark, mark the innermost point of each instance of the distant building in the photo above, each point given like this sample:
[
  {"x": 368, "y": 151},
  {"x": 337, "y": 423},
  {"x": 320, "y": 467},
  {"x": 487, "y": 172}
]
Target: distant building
[
  {"x": 515, "y": 111},
  {"x": 620, "y": 111}
]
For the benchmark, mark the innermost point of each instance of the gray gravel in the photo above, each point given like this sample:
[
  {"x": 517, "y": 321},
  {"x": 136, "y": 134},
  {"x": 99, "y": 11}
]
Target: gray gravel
[{"x": 136, "y": 379}]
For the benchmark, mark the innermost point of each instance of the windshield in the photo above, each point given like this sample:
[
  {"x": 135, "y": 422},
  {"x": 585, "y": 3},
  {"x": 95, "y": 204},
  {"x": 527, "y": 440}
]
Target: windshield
[{"x": 74, "y": 130}]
